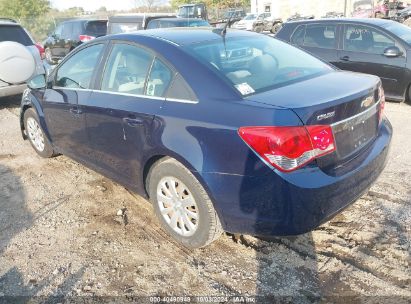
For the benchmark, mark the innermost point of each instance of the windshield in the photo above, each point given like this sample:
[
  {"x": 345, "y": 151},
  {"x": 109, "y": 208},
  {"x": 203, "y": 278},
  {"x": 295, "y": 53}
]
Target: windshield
[
  {"x": 250, "y": 17},
  {"x": 400, "y": 30},
  {"x": 258, "y": 64},
  {"x": 196, "y": 23}
]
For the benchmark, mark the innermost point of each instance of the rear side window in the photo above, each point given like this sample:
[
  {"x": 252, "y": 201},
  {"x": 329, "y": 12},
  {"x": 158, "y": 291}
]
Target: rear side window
[
  {"x": 96, "y": 28},
  {"x": 180, "y": 90},
  {"x": 321, "y": 36},
  {"x": 14, "y": 33},
  {"x": 152, "y": 24},
  {"x": 298, "y": 35},
  {"x": 78, "y": 70},
  {"x": 159, "y": 79}
]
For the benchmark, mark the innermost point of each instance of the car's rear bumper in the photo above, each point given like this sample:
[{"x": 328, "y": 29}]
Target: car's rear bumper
[
  {"x": 12, "y": 90},
  {"x": 294, "y": 203}
]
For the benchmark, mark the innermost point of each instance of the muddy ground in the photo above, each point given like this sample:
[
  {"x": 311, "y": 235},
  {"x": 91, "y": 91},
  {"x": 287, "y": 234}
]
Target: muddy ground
[{"x": 60, "y": 236}]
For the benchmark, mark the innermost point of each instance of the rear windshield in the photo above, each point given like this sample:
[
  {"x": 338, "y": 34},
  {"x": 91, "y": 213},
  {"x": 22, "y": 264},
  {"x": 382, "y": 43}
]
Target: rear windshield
[
  {"x": 117, "y": 28},
  {"x": 96, "y": 28},
  {"x": 14, "y": 33},
  {"x": 258, "y": 64},
  {"x": 400, "y": 30}
]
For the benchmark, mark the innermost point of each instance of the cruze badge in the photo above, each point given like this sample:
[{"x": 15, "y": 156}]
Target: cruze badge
[
  {"x": 325, "y": 116},
  {"x": 367, "y": 102}
]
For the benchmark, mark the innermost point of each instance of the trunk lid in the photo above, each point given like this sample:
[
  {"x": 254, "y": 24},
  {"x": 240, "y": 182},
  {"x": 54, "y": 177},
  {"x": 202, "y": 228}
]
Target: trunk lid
[{"x": 347, "y": 101}]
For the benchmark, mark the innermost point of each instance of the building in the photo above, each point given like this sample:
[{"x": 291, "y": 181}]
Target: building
[{"x": 286, "y": 8}]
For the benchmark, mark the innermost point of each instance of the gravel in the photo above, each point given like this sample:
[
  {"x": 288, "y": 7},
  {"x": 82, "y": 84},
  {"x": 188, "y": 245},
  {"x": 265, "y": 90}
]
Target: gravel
[{"x": 66, "y": 230}]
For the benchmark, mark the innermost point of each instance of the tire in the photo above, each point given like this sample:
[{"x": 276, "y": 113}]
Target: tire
[
  {"x": 407, "y": 22},
  {"x": 203, "y": 225},
  {"x": 276, "y": 27},
  {"x": 36, "y": 135},
  {"x": 258, "y": 29},
  {"x": 407, "y": 98},
  {"x": 379, "y": 15}
]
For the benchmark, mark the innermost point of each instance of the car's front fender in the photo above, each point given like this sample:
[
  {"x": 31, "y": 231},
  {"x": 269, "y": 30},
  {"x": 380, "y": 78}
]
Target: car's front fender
[{"x": 31, "y": 99}]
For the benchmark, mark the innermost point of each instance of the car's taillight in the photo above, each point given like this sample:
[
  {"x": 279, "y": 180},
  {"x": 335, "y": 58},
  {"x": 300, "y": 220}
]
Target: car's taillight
[
  {"x": 289, "y": 148},
  {"x": 381, "y": 95},
  {"x": 41, "y": 50},
  {"x": 86, "y": 38}
]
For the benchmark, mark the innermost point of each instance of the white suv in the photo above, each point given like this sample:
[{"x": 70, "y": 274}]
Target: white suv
[{"x": 12, "y": 31}]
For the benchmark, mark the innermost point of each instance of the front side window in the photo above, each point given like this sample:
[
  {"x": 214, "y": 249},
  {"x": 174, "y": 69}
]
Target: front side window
[
  {"x": 127, "y": 69},
  {"x": 78, "y": 70},
  {"x": 257, "y": 64},
  {"x": 321, "y": 36},
  {"x": 366, "y": 40}
]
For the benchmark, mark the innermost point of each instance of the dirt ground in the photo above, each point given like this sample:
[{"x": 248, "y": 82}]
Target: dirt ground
[{"x": 60, "y": 236}]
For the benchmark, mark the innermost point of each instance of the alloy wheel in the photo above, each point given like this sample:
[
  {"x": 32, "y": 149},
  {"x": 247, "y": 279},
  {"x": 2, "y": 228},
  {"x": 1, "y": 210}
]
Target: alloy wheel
[
  {"x": 177, "y": 206},
  {"x": 35, "y": 134}
]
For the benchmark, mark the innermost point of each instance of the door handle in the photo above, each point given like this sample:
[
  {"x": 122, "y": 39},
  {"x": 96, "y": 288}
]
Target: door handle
[
  {"x": 133, "y": 122},
  {"x": 345, "y": 58},
  {"x": 76, "y": 110}
]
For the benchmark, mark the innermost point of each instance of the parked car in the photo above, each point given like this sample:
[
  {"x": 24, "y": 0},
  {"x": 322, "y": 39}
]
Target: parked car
[
  {"x": 253, "y": 22},
  {"x": 363, "y": 9},
  {"x": 18, "y": 60},
  {"x": 333, "y": 15},
  {"x": 297, "y": 17},
  {"x": 133, "y": 22},
  {"x": 176, "y": 22},
  {"x": 262, "y": 139},
  {"x": 388, "y": 9},
  {"x": 373, "y": 46},
  {"x": 193, "y": 10},
  {"x": 70, "y": 34},
  {"x": 403, "y": 16}
]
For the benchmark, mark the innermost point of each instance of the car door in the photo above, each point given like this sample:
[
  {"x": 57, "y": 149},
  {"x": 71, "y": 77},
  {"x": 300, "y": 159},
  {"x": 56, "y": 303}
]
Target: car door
[
  {"x": 67, "y": 91},
  {"x": 320, "y": 39},
  {"x": 363, "y": 51},
  {"x": 120, "y": 114}
]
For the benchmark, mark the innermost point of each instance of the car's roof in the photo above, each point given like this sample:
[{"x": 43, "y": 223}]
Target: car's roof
[
  {"x": 371, "y": 21},
  {"x": 136, "y": 17},
  {"x": 8, "y": 21},
  {"x": 179, "y": 20},
  {"x": 184, "y": 36},
  {"x": 84, "y": 20}
]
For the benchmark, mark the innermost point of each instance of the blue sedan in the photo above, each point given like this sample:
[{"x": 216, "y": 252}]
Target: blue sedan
[{"x": 222, "y": 130}]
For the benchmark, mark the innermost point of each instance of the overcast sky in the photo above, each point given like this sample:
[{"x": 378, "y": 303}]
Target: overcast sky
[{"x": 92, "y": 5}]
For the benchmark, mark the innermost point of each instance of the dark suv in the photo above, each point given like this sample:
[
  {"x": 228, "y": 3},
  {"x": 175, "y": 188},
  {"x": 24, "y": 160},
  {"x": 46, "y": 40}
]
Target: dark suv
[
  {"x": 70, "y": 34},
  {"x": 374, "y": 46}
]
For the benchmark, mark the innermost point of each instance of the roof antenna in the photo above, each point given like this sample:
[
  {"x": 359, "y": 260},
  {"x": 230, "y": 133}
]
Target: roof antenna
[{"x": 223, "y": 31}]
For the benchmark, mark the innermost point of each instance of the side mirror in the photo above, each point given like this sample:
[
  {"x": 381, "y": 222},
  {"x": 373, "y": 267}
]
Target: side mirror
[
  {"x": 392, "y": 52},
  {"x": 37, "y": 82}
]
